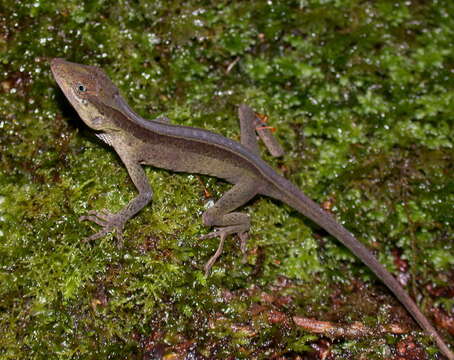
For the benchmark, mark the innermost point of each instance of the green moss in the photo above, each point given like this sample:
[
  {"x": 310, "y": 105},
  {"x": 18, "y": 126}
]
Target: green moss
[{"x": 361, "y": 95}]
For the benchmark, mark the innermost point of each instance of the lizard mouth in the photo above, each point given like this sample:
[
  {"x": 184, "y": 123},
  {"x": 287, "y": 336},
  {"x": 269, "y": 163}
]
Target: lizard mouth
[
  {"x": 66, "y": 75},
  {"x": 57, "y": 66}
]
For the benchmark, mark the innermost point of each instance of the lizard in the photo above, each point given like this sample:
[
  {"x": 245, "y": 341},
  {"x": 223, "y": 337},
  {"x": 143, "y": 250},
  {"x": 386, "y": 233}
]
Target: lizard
[{"x": 178, "y": 148}]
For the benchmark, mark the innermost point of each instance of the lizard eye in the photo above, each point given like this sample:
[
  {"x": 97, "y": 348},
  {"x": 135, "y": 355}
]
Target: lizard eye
[{"x": 81, "y": 88}]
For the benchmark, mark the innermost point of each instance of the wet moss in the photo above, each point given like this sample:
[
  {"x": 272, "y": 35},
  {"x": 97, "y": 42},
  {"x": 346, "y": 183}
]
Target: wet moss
[{"x": 361, "y": 95}]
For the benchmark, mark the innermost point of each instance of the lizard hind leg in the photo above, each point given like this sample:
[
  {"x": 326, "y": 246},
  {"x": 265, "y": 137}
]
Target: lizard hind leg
[
  {"x": 250, "y": 125},
  {"x": 226, "y": 221}
]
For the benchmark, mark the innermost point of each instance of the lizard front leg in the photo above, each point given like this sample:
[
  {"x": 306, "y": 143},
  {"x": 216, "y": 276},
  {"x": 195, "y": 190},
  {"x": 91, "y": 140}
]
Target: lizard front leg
[
  {"x": 226, "y": 221},
  {"x": 116, "y": 221}
]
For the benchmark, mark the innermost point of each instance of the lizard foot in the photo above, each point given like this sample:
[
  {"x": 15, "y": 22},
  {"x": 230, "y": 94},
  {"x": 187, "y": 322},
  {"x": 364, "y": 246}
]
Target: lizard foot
[
  {"x": 108, "y": 221},
  {"x": 222, "y": 233}
]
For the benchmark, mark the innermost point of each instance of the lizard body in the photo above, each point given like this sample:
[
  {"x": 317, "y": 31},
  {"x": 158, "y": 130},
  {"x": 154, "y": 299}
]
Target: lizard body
[{"x": 185, "y": 149}]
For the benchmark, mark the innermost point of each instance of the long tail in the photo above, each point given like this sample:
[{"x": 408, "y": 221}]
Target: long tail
[{"x": 309, "y": 208}]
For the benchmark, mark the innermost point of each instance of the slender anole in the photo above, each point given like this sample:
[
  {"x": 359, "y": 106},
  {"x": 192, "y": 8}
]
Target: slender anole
[{"x": 186, "y": 149}]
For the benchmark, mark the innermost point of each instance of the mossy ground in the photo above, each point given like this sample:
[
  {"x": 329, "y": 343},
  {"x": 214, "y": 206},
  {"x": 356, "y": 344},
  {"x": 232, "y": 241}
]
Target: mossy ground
[{"x": 361, "y": 94}]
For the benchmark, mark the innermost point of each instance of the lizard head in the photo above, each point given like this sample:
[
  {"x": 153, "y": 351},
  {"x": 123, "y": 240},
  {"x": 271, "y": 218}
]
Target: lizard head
[{"x": 85, "y": 87}]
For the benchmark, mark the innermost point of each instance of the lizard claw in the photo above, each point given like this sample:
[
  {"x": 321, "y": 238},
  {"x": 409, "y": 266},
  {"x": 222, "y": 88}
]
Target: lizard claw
[
  {"x": 108, "y": 221},
  {"x": 222, "y": 233},
  {"x": 213, "y": 234}
]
